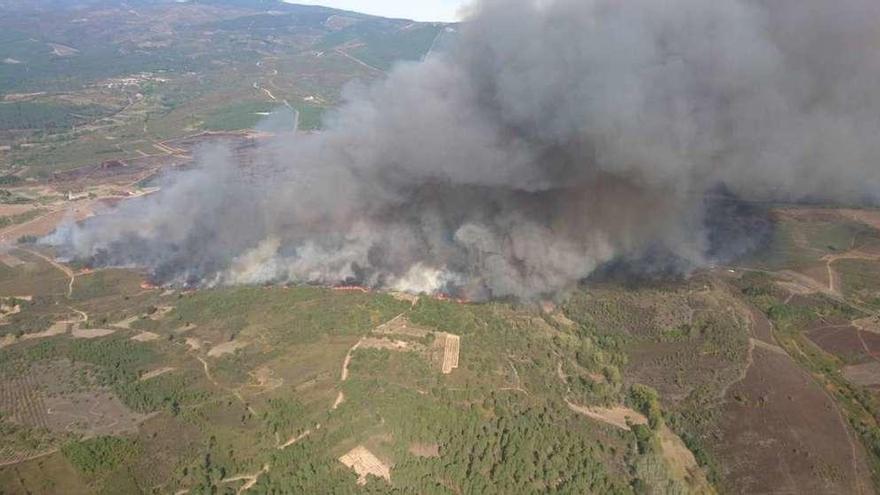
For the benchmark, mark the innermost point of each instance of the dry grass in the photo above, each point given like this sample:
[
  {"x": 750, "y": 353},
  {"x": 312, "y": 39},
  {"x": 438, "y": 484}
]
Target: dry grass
[
  {"x": 226, "y": 348},
  {"x": 428, "y": 450},
  {"x": 619, "y": 416},
  {"x": 146, "y": 337},
  {"x": 91, "y": 333},
  {"x": 451, "y": 348},
  {"x": 365, "y": 463},
  {"x": 155, "y": 373},
  {"x": 864, "y": 375},
  {"x": 194, "y": 343}
]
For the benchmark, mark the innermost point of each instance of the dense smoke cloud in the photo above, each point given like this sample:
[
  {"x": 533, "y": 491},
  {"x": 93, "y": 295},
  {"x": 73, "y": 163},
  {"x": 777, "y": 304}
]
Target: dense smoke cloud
[{"x": 555, "y": 137}]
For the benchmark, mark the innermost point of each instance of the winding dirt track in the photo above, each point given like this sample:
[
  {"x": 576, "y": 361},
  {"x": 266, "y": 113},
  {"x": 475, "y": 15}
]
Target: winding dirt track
[
  {"x": 833, "y": 277},
  {"x": 777, "y": 407},
  {"x": 63, "y": 269}
]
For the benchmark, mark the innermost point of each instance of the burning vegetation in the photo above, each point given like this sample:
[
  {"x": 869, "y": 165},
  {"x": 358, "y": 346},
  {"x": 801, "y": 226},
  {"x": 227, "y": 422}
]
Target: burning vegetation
[{"x": 553, "y": 140}]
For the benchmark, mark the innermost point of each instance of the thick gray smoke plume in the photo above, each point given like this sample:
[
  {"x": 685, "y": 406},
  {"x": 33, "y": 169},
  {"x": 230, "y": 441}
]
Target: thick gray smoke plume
[{"x": 558, "y": 135}]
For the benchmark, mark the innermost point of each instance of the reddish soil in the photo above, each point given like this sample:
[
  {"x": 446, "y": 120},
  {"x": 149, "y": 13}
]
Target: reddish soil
[
  {"x": 819, "y": 273},
  {"x": 761, "y": 328},
  {"x": 45, "y": 224},
  {"x": 863, "y": 375},
  {"x": 847, "y": 343},
  {"x": 10, "y": 210},
  {"x": 782, "y": 433}
]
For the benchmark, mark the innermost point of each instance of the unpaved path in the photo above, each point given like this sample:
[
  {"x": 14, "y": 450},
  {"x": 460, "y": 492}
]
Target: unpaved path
[
  {"x": 295, "y": 439},
  {"x": 65, "y": 270},
  {"x": 833, "y": 276},
  {"x": 358, "y": 61},
  {"x": 217, "y": 384},
  {"x": 776, "y": 406},
  {"x": 620, "y": 416},
  {"x": 681, "y": 461},
  {"x": 250, "y": 479},
  {"x": 343, "y": 375}
]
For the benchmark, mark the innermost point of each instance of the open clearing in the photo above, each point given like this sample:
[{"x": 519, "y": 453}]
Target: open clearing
[
  {"x": 778, "y": 408},
  {"x": 226, "y": 348},
  {"x": 365, "y": 463},
  {"x": 156, "y": 372},
  {"x": 426, "y": 450},
  {"x": 451, "y": 347},
  {"x": 680, "y": 459},
  {"x": 60, "y": 396},
  {"x": 619, "y": 416},
  {"x": 847, "y": 342},
  {"x": 146, "y": 337},
  {"x": 91, "y": 333},
  {"x": 865, "y": 375}
]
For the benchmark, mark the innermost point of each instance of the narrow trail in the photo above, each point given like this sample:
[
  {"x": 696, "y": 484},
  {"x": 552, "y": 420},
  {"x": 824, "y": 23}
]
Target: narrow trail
[
  {"x": 433, "y": 45},
  {"x": 833, "y": 276},
  {"x": 755, "y": 342},
  {"x": 229, "y": 390},
  {"x": 251, "y": 479},
  {"x": 71, "y": 275},
  {"x": 65, "y": 270},
  {"x": 295, "y": 439},
  {"x": 358, "y": 61},
  {"x": 865, "y": 346},
  {"x": 343, "y": 375},
  {"x": 5, "y": 233},
  {"x": 810, "y": 285}
]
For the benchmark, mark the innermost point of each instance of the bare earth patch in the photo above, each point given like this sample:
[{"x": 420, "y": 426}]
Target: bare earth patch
[
  {"x": 869, "y": 324},
  {"x": 682, "y": 462},
  {"x": 392, "y": 345},
  {"x": 402, "y": 326},
  {"x": 365, "y": 463},
  {"x": 55, "y": 396},
  {"x": 428, "y": 450},
  {"x": 864, "y": 375},
  {"x": 91, "y": 333},
  {"x": 57, "y": 328},
  {"x": 91, "y": 413},
  {"x": 619, "y": 416},
  {"x": 186, "y": 328},
  {"x": 10, "y": 260},
  {"x": 45, "y": 224},
  {"x": 226, "y": 348},
  {"x": 405, "y": 296},
  {"x": 193, "y": 343},
  {"x": 451, "y": 347},
  {"x": 62, "y": 50},
  {"x": 265, "y": 379},
  {"x": 293, "y": 440},
  {"x": 15, "y": 209},
  {"x": 160, "y": 313},
  {"x": 126, "y": 323},
  {"x": 146, "y": 337},
  {"x": 155, "y": 373},
  {"x": 777, "y": 408}
]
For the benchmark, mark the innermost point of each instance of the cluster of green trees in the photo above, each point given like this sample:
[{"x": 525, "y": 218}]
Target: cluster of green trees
[
  {"x": 100, "y": 455},
  {"x": 170, "y": 391},
  {"x": 499, "y": 446},
  {"x": 33, "y": 115}
]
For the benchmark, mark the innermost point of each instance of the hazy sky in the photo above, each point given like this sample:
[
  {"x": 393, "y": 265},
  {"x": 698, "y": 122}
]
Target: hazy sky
[{"x": 420, "y": 10}]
